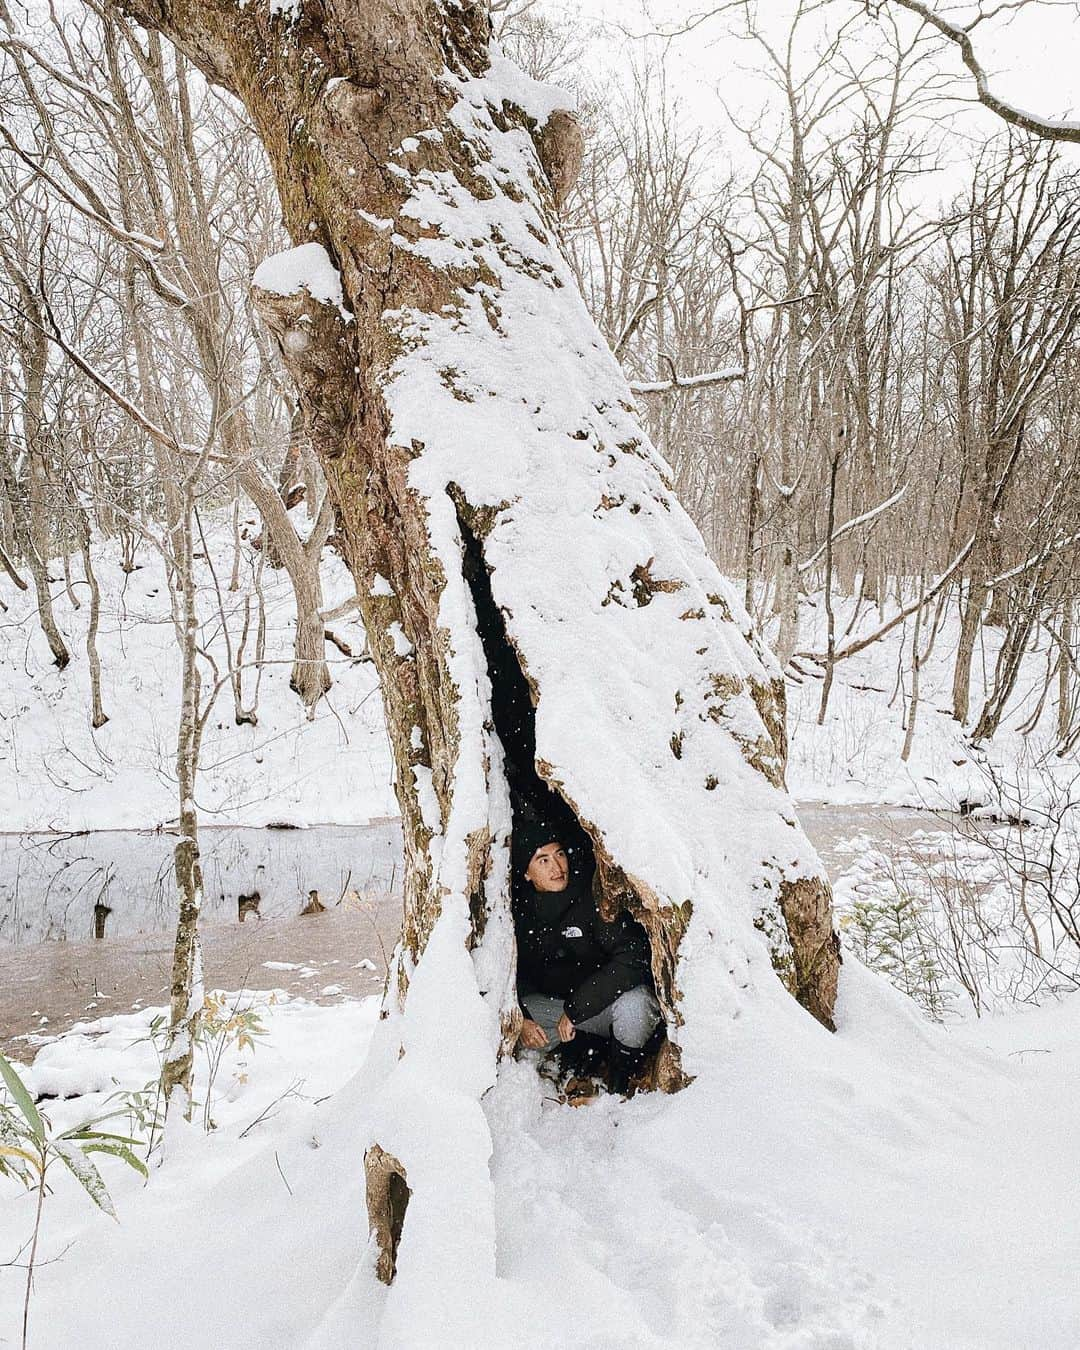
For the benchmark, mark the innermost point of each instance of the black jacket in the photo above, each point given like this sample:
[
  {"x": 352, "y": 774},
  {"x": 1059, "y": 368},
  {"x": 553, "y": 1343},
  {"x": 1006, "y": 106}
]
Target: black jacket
[{"x": 567, "y": 951}]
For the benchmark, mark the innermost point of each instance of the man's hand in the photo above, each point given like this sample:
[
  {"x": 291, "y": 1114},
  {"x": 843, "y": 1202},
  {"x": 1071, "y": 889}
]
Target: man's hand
[
  {"x": 533, "y": 1035},
  {"x": 566, "y": 1029}
]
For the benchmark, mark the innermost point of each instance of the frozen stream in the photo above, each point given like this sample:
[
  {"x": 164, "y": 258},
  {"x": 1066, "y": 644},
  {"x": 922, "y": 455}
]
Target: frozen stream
[
  {"x": 86, "y": 920},
  {"x": 115, "y": 883}
]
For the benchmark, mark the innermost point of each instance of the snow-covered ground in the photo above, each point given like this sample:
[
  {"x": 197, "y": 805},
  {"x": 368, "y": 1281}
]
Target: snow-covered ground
[
  {"x": 895, "y": 1186},
  {"x": 899, "y": 1185},
  {"x": 855, "y": 755},
  {"x": 57, "y": 773}
]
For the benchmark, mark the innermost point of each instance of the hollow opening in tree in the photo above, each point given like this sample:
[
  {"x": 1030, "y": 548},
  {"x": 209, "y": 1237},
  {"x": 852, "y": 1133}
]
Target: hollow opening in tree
[{"x": 513, "y": 711}]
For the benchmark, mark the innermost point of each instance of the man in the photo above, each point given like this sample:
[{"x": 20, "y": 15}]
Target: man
[{"x": 577, "y": 973}]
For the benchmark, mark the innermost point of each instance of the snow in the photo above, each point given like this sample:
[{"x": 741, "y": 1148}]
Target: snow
[
  {"x": 863, "y": 519},
  {"x": 895, "y": 1185},
  {"x": 506, "y": 81},
  {"x": 58, "y": 773},
  {"x": 308, "y": 266},
  {"x": 721, "y": 376},
  {"x": 855, "y": 755},
  {"x": 402, "y": 646}
]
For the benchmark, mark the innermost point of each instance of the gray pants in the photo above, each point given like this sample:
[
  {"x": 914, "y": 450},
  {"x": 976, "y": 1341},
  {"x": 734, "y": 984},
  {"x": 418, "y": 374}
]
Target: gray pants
[{"x": 631, "y": 1018}]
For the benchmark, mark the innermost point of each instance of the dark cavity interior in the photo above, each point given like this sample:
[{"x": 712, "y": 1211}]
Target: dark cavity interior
[{"x": 515, "y": 717}]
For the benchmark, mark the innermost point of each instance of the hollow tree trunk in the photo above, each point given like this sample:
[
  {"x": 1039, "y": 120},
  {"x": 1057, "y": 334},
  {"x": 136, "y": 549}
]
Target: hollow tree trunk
[{"x": 459, "y": 397}]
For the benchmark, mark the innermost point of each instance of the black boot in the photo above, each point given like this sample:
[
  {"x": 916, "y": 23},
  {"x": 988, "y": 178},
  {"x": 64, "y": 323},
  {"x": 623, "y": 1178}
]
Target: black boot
[
  {"x": 581, "y": 1057},
  {"x": 624, "y": 1064}
]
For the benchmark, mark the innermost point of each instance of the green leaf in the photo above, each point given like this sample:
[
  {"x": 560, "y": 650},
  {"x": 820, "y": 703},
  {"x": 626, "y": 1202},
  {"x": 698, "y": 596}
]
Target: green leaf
[
  {"x": 79, "y": 1134},
  {"x": 98, "y": 1120},
  {"x": 86, "y": 1174},
  {"x": 23, "y": 1100},
  {"x": 120, "y": 1151}
]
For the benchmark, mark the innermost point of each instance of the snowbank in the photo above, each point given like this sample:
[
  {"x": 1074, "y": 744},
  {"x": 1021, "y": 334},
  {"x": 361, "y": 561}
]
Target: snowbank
[{"x": 893, "y": 1186}]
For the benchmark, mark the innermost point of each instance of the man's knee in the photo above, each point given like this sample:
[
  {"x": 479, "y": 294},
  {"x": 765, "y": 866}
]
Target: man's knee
[{"x": 635, "y": 1015}]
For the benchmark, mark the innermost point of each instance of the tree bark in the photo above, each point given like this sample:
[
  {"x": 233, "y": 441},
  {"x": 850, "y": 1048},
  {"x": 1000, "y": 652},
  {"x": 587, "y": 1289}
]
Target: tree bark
[
  {"x": 310, "y": 676},
  {"x": 459, "y": 397},
  {"x": 186, "y": 985},
  {"x": 98, "y": 715},
  {"x": 31, "y": 513}
]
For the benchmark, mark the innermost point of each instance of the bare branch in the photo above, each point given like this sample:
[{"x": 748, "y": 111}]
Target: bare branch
[
  {"x": 1047, "y": 128},
  {"x": 705, "y": 381},
  {"x": 864, "y": 519}
]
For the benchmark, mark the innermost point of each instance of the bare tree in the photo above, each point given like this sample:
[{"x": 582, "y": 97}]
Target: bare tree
[
  {"x": 30, "y": 498},
  {"x": 1013, "y": 292}
]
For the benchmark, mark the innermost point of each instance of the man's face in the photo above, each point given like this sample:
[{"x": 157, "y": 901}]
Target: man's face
[{"x": 549, "y": 869}]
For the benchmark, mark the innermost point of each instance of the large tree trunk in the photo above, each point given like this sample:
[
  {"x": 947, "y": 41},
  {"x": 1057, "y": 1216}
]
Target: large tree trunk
[{"x": 462, "y": 402}]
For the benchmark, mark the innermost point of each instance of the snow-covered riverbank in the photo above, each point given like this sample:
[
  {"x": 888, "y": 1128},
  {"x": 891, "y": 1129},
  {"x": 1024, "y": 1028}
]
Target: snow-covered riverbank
[{"x": 855, "y": 755}]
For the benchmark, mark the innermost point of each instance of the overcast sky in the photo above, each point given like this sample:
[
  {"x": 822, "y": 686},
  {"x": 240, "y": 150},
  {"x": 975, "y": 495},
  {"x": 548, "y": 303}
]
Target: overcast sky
[{"x": 1033, "y": 56}]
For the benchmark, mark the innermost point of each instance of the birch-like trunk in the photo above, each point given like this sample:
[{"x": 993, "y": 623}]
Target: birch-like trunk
[
  {"x": 98, "y": 715},
  {"x": 186, "y": 985},
  {"x": 461, "y": 400}
]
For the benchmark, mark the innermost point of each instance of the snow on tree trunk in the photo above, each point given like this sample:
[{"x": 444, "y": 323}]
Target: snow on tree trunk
[{"x": 460, "y": 398}]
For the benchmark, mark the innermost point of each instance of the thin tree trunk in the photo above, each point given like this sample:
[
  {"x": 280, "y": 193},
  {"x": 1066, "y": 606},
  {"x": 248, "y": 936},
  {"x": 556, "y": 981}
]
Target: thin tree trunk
[
  {"x": 916, "y": 665},
  {"x": 98, "y": 715},
  {"x": 752, "y": 510},
  {"x": 9, "y": 568},
  {"x": 1065, "y": 708},
  {"x": 31, "y": 511},
  {"x": 186, "y": 985},
  {"x": 830, "y": 637},
  {"x": 234, "y": 578}
]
